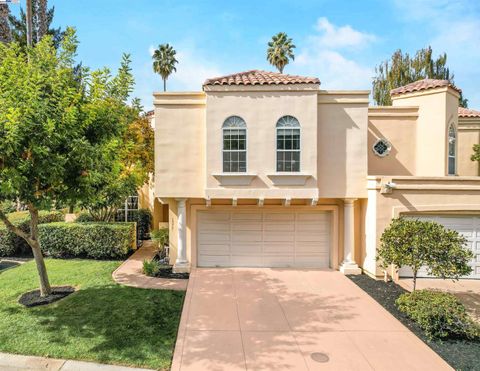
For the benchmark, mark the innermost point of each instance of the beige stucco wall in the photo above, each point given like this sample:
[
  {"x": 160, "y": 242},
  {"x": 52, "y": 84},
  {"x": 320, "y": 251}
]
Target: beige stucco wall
[
  {"x": 261, "y": 109},
  {"x": 414, "y": 195},
  {"x": 342, "y": 143},
  {"x": 468, "y": 136},
  {"x": 398, "y": 125},
  {"x": 179, "y": 144},
  {"x": 437, "y": 108}
]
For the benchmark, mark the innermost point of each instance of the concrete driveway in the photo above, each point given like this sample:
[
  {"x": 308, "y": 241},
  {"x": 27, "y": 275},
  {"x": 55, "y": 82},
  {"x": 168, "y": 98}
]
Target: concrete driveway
[{"x": 286, "y": 319}]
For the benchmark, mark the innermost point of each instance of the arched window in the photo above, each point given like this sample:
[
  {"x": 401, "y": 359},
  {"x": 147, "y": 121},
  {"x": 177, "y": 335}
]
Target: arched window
[
  {"x": 288, "y": 144},
  {"x": 234, "y": 145},
  {"x": 452, "y": 150}
]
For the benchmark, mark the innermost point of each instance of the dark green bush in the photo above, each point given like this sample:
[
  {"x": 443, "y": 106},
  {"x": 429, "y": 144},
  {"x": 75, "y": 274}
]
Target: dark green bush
[
  {"x": 89, "y": 240},
  {"x": 439, "y": 314},
  {"x": 144, "y": 220},
  {"x": 84, "y": 218},
  {"x": 10, "y": 243}
]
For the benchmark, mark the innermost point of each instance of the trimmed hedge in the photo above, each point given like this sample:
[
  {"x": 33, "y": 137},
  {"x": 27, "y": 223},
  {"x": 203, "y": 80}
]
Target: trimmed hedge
[
  {"x": 144, "y": 221},
  {"x": 10, "y": 243},
  {"x": 88, "y": 240}
]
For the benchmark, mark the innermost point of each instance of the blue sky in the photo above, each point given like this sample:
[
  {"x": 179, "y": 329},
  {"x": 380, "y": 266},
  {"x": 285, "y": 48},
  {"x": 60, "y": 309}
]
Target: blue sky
[{"x": 339, "y": 42}]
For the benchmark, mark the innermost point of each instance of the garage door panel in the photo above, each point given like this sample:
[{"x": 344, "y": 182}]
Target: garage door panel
[
  {"x": 251, "y": 236},
  {"x": 215, "y": 236},
  {"x": 278, "y": 247},
  {"x": 212, "y": 249},
  {"x": 264, "y": 238},
  {"x": 245, "y": 248},
  {"x": 271, "y": 236},
  {"x": 246, "y": 225},
  {"x": 213, "y": 260},
  {"x": 279, "y": 217},
  {"x": 246, "y": 216},
  {"x": 279, "y": 226}
]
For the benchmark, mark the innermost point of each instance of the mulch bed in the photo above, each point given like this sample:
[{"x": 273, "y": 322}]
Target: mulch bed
[
  {"x": 168, "y": 273},
  {"x": 33, "y": 298},
  {"x": 460, "y": 354}
]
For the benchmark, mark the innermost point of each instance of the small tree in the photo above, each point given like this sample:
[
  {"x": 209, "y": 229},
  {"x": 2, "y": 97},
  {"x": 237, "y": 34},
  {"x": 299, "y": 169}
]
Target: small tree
[
  {"x": 417, "y": 243},
  {"x": 164, "y": 62},
  {"x": 57, "y": 132}
]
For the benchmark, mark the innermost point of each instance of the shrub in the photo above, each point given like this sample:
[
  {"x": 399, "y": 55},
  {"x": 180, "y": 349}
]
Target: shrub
[
  {"x": 84, "y": 218},
  {"x": 160, "y": 237},
  {"x": 144, "y": 220},
  {"x": 439, "y": 314},
  {"x": 151, "y": 268},
  {"x": 418, "y": 243},
  {"x": 10, "y": 243},
  {"x": 90, "y": 240}
]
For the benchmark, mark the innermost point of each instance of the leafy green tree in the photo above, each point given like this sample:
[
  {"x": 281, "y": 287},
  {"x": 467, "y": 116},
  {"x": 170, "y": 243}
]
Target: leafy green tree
[
  {"x": 280, "y": 51},
  {"x": 418, "y": 243},
  {"x": 58, "y": 134},
  {"x": 42, "y": 18},
  {"x": 402, "y": 69},
  {"x": 164, "y": 62}
]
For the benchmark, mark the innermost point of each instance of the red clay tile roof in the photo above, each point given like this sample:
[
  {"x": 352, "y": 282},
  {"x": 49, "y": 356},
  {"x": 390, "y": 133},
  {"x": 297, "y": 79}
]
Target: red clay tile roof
[
  {"x": 465, "y": 112},
  {"x": 423, "y": 85},
  {"x": 258, "y": 77}
]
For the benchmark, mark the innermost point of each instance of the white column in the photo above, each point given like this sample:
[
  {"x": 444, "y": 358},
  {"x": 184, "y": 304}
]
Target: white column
[
  {"x": 181, "y": 264},
  {"x": 348, "y": 265}
]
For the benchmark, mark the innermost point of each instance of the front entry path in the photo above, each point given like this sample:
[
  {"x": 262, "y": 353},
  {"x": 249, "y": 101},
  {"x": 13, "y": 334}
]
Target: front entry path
[{"x": 286, "y": 319}]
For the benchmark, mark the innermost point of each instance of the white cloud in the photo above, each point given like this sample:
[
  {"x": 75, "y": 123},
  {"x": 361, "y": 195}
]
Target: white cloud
[
  {"x": 322, "y": 56},
  {"x": 341, "y": 36},
  {"x": 192, "y": 70}
]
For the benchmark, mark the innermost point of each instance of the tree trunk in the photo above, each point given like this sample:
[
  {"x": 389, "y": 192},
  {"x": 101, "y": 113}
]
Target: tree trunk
[
  {"x": 164, "y": 84},
  {"x": 414, "y": 280},
  {"x": 29, "y": 22},
  {"x": 34, "y": 243},
  {"x": 42, "y": 19}
]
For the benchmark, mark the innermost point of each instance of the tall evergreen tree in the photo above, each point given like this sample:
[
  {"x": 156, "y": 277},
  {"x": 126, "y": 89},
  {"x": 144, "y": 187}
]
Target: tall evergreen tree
[
  {"x": 280, "y": 51},
  {"x": 402, "y": 69},
  {"x": 5, "y": 33},
  {"x": 42, "y": 18}
]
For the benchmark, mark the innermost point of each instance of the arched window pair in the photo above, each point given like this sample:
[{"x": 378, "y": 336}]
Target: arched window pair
[{"x": 235, "y": 145}]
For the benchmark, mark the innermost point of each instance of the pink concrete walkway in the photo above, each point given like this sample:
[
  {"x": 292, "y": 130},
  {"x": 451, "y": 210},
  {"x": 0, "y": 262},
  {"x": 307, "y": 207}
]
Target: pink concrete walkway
[
  {"x": 281, "y": 319},
  {"x": 130, "y": 272}
]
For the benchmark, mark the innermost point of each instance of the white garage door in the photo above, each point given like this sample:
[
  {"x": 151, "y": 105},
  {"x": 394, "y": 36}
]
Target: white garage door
[
  {"x": 468, "y": 226},
  {"x": 263, "y": 239}
]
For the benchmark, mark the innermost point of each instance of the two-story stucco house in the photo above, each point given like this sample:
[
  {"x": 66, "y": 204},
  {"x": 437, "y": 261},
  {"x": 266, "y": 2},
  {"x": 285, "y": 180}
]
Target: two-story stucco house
[{"x": 262, "y": 169}]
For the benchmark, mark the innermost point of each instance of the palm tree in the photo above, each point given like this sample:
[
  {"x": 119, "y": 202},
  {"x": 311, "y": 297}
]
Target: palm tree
[
  {"x": 164, "y": 62},
  {"x": 280, "y": 51}
]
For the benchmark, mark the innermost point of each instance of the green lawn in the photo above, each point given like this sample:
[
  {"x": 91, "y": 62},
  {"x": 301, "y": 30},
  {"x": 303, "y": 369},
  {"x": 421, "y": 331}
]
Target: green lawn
[{"x": 102, "y": 321}]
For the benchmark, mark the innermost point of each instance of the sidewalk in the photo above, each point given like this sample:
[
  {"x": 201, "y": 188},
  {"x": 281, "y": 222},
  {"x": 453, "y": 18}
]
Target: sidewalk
[
  {"x": 11, "y": 362},
  {"x": 130, "y": 272}
]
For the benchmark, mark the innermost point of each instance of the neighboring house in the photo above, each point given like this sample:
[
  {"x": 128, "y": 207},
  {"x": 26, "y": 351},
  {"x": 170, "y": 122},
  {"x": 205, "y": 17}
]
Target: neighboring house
[{"x": 262, "y": 169}]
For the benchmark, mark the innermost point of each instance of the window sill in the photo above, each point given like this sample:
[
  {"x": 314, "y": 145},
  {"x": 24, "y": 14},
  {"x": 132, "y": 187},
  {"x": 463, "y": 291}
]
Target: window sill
[
  {"x": 234, "y": 179},
  {"x": 289, "y": 179}
]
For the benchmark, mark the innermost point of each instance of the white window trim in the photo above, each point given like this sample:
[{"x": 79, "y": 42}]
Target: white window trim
[
  {"x": 299, "y": 128},
  {"x": 452, "y": 125},
  {"x": 235, "y": 150}
]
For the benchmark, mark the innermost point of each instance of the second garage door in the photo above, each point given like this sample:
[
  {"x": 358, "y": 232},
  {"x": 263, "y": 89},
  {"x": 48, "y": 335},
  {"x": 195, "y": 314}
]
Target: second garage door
[{"x": 264, "y": 239}]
